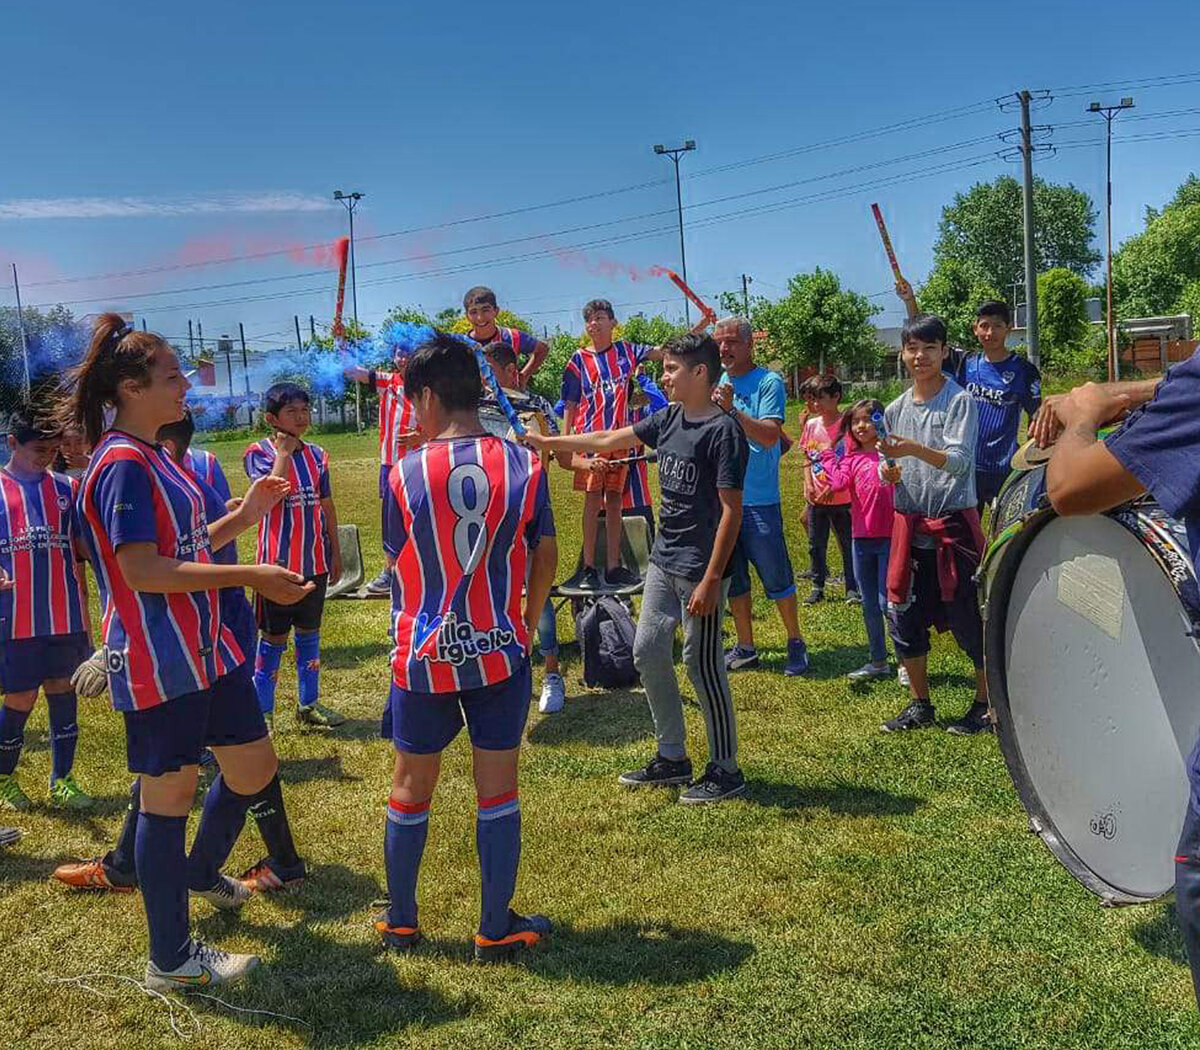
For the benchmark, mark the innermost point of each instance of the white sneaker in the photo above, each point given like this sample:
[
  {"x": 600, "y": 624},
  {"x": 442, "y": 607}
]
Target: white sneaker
[
  {"x": 869, "y": 671},
  {"x": 203, "y": 968},
  {"x": 228, "y": 894},
  {"x": 554, "y": 694},
  {"x": 902, "y": 676}
]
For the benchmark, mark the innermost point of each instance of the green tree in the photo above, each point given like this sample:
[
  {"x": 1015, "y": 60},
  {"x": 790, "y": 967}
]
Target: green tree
[
  {"x": 401, "y": 314},
  {"x": 817, "y": 322},
  {"x": 1062, "y": 319},
  {"x": 548, "y": 380},
  {"x": 504, "y": 318},
  {"x": 954, "y": 291},
  {"x": 983, "y": 229},
  {"x": 1188, "y": 193},
  {"x": 55, "y": 342},
  {"x": 732, "y": 304},
  {"x": 1151, "y": 270},
  {"x": 1189, "y": 303}
]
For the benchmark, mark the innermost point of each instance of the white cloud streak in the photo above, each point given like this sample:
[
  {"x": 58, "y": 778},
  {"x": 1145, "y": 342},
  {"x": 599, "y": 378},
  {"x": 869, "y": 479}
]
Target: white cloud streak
[{"x": 38, "y": 208}]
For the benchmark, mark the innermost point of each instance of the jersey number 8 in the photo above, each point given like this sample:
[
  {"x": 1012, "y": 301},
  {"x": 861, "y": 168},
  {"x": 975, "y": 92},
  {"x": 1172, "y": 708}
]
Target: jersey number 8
[{"x": 468, "y": 489}]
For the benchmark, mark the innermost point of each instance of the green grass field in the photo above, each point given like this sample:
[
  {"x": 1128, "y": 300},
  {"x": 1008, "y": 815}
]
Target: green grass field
[{"x": 869, "y": 892}]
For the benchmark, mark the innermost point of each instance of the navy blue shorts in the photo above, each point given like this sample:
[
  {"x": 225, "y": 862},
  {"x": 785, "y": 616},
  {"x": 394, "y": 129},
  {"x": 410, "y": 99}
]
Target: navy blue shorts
[
  {"x": 384, "y": 471},
  {"x": 909, "y": 624},
  {"x": 426, "y": 723},
  {"x": 170, "y": 736},
  {"x": 305, "y": 615},
  {"x": 28, "y": 662},
  {"x": 760, "y": 543}
]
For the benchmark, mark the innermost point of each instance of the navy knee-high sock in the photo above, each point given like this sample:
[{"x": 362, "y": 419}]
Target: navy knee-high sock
[
  {"x": 12, "y": 737},
  {"x": 64, "y": 732},
  {"x": 266, "y": 673},
  {"x": 272, "y": 820},
  {"x": 162, "y": 876},
  {"x": 121, "y": 858},
  {"x": 403, "y": 845},
  {"x": 222, "y": 820},
  {"x": 498, "y": 839},
  {"x": 308, "y": 667}
]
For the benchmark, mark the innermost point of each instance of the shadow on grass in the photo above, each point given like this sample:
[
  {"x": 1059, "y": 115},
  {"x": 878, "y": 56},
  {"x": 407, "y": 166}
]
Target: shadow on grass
[
  {"x": 304, "y": 770},
  {"x": 615, "y": 718},
  {"x": 337, "y": 994},
  {"x": 630, "y": 952},
  {"x": 16, "y": 866},
  {"x": 852, "y": 800},
  {"x": 1160, "y": 935},
  {"x": 354, "y": 729},
  {"x": 351, "y": 657},
  {"x": 331, "y": 891}
]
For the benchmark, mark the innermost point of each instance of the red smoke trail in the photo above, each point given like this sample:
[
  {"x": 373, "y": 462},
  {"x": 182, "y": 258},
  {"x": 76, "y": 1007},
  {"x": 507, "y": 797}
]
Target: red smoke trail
[{"x": 603, "y": 266}]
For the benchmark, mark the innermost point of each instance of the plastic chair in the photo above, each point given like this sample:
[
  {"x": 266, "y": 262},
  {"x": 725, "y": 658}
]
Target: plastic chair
[{"x": 353, "y": 573}]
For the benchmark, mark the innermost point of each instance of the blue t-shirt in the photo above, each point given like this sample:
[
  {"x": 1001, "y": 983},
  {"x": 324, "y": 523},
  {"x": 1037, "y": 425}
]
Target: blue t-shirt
[
  {"x": 1001, "y": 389},
  {"x": 761, "y": 395},
  {"x": 1159, "y": 444}
]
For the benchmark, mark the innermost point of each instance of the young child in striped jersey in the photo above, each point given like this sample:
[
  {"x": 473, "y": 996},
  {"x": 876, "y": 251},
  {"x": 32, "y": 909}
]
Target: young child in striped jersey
[
  {"x": 470, "y": 527},
  {"x": 299, "y": 534},
  {"x": 43, "y": 624}
]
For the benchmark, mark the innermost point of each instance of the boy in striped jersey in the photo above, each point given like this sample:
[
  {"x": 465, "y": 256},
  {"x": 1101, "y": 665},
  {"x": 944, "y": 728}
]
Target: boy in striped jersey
[
  {"x": 470, "y": 526},
  {"x": 299, "y": 534},
  {"x": 595, "y": 391},
  {"x": 479, "y": 304},
  {"x": 43, "y": 623},
  {"x": 397, "y": 434}
]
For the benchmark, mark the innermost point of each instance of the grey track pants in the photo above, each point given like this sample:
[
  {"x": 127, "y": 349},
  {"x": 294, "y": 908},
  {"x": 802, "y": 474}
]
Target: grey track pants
[{"x": 664, "y": 608}]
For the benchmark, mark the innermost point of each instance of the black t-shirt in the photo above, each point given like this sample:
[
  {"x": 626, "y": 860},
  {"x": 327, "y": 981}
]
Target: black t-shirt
[{"x": 695, "y": 459}]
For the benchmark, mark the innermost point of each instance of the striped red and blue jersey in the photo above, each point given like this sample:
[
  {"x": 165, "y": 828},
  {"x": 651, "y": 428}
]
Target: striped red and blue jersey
[
  {"x": 598, "y": 382},
  {"x": 294, "y": 533},
  {"x": 637, "y": 481},
  {"x": 205, "y": 466},
  {"x": 396, "y": 415},
  {"x": 236, "y": 612},
  {"x": 460, "y": 520},
  {"x": 521, "y": 342},
  {"x": 156, "y": 646},
  {"x": 37, "y": 535}
]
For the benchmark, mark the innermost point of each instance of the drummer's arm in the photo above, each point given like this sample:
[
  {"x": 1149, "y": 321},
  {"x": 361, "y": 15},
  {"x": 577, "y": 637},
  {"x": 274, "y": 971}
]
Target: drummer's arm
[
  {"x": 1083, "y": 476},
  {"x": 1046, "y": 425}
]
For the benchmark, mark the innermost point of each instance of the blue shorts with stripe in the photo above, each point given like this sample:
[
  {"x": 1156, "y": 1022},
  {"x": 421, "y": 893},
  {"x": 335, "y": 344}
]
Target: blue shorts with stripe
[
  {"x": 426, "y": 723},
  {"x": 169, "y": 736}
]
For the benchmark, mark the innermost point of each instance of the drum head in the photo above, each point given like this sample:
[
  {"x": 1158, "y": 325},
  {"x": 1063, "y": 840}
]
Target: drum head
[{"x": 1095, "y": 685}]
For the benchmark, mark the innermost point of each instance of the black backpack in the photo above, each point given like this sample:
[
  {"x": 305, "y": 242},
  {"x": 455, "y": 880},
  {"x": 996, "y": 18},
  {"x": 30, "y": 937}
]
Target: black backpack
[{"x": 605, "y": 631}]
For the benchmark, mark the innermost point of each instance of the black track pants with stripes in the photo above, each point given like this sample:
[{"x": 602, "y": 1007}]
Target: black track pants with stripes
[{"x": 664, "y": 608}]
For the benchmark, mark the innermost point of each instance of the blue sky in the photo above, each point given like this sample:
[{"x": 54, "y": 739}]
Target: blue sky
[{"x": 170, "y": 135}]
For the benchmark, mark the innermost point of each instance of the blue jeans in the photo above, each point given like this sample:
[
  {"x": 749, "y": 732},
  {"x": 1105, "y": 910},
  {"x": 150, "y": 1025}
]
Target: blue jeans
[
  {"x": 870, "y": 570},
  {"x": 1187, "y": 892},
  {"x": 760, "y": 543},
  {"x": 547, "y": 630}
]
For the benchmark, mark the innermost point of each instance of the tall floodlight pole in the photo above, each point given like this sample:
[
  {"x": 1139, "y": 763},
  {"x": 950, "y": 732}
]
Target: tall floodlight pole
[
  {"x": 350, "y": 200},
  {"x": 675, "y": 152},
  {"x": 1108, "y": 113}
]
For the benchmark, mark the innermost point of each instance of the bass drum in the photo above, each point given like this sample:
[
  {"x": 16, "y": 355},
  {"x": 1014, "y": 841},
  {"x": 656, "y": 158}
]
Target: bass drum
[{"x": 1090, "y": 628}]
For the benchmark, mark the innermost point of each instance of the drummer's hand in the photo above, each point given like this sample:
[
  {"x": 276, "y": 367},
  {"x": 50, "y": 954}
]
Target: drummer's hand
[
  {"x": 1092, "y": 405},
  {"x": 598, "y": 465},
  {"x": 1045, "y": 427},
  {"x": 537, "y": 442}
]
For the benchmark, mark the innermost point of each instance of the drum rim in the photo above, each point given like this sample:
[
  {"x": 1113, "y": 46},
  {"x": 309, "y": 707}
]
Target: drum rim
[{"x": 1040, "y": 822}]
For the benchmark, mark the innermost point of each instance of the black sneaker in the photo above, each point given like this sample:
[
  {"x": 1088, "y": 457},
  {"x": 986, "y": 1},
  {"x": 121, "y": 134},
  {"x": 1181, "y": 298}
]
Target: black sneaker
[
  {"x": 977, "y": 720},
  {"x": 398, "y": 938},
  {"x": 659, "y": 772},
  {"x": 806, "y": 574},
  {"x": 853, "y": 598},
  {"x": 589, "y": 580},
  {"x": 621, "y": 577},
  {"x": 716, "y": 785},
  {"x": 815, "y": 597},
  {"x": 918, "y": 715},
  {"x": 524, "y": 931}
]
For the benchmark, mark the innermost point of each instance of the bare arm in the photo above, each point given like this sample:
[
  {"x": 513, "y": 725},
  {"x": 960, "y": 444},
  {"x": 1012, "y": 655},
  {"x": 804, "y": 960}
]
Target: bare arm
[
  {"x": 707, "y": 594},
  {"x": 542, "y": 566},
  {"x": 146, "y": 570},
  {"x": 357, "y": 373},
  {"x": 536, "y": 360},
  {"x": 597, "y": 441}
]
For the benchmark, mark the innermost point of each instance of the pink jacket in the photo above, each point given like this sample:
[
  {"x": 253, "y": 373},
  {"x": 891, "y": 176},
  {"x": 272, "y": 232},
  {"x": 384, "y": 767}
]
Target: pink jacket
[
  {"x": 814, "y": 439},
  {"x": 857, "y": 472}
]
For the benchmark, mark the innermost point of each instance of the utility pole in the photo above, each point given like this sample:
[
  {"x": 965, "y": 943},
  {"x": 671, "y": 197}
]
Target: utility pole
[
  {"x": 200, "y": 340},
  {"x": 675, "y": 152},
  {"x": 21, "y": 328},
  {"x": 299, "y": 344},
  {"x": 312, "y": 329},
  {"x": 191, "y": 341},
  {"x": 245, "y": 359},
  {"x": 746, "y": 295},
  {"x": 1108, "y": 113},
  {"x": 350, "y": 200},
  {"x": 1031, "y": 327},
  {"x": 226, "y": 344}
]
